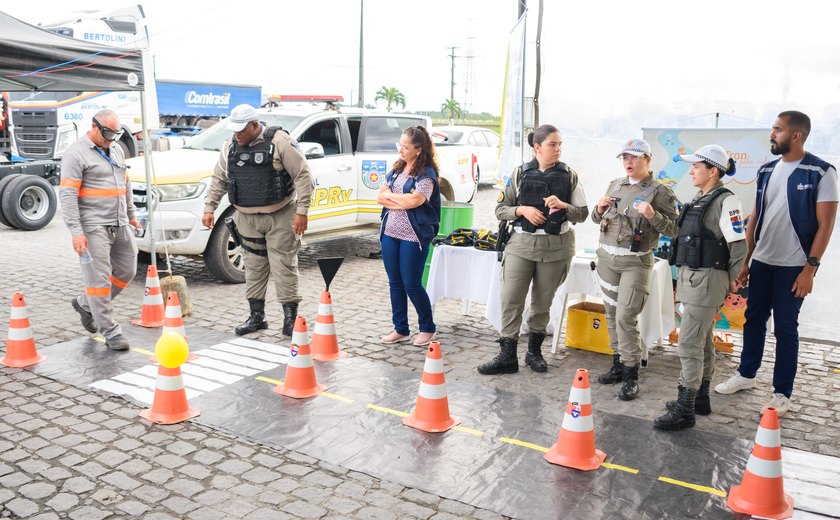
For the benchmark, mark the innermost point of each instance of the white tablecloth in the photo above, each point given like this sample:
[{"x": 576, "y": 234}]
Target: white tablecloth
[{"x": 470, "y": 274}]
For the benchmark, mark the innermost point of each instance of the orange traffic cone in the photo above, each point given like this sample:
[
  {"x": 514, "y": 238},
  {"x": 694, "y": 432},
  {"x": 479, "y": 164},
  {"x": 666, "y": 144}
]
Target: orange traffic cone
[
  {"x": 324, "y": 340},
  {"x": 300, "y": 373},
  {"x": 152, "y": 313},
  {"x": 431, "y": 414},
  {"x": 20, "y": 345},
  {"x": 575, "y": 446},
  {"x": 762, "y": 490},
  {"x": 170, "y": 405}
]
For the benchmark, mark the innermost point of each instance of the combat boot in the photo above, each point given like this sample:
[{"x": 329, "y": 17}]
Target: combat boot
[
  {"x": 256, "y": 321},
  {"x": 681, "y": 416},
  {"x": 630, "y": 383},
  {"x": 505, "y": 362},
  {"x": 615, "y": 374},
  {"x": 289, "y": 316},
  {"x": 534, "y": 357},
  {"x": 702, "y": 405}
]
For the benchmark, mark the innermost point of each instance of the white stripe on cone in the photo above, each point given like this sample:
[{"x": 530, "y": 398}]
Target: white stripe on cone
[
  {"x": 300, "y": 361},
  {"x": 432, "y": 391},
  {"x": 18, "y": 313},
  {"x": 180, "y": 330},
  {"x": 152, "y": 281},
  {"x": 580, "y": 424},
  {"x": 433, "y": 366},
  {"x": 16, "y": 334},
  {"x": 324, "y": 309},
  {"x": 764, "y": 468},
  {"x": 173, "y": 311},
  {"x": 300, "y": 338},
  {"x": 169, "y": 383},
  {"x": 768, "y": 438},
  {"x": 580, "y": 396},
  {"x": 325, "y": 329},
  {"x": 153, "y": 299}
]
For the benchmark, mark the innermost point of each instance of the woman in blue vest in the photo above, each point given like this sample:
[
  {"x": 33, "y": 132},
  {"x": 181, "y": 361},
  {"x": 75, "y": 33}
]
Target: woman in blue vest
[
  {"x": 410, "y": 220},
  {"x": 709, "y": 249}
]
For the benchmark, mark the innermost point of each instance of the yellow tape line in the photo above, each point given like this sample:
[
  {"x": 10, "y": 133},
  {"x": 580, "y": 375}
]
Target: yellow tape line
[
  {"x": 619, "y": 468},
  {"x": 268, "y": 380},
  {"x": 695, "y": 487},
  {"x": 468, "y": 430},
  {"x": 143, "y": 351},
  {"x": 836, "y": 370},
  {"x": 524, "y": 444},
  {"x": 386, "y": 410},
  {"x": 99, "y": 339},
  {"x": 337, "y": 397}
]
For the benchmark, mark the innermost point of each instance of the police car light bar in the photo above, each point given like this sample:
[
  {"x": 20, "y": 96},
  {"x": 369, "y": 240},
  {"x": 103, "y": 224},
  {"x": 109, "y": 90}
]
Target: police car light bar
[{"x": 306, "y": 99}]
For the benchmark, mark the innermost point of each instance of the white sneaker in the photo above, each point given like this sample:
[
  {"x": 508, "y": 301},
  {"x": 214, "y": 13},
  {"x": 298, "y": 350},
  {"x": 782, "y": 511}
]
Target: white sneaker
[
  {"x": 780, "y": 402},
  {"x": 736, "y": 383}
]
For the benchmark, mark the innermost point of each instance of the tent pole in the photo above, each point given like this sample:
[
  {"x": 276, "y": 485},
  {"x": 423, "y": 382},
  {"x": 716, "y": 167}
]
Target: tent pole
[{"x": 147, "y": 159}]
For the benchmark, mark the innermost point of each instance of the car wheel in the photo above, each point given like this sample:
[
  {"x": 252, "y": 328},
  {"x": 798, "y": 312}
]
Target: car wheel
[
  {"x": 223, "y": 257},
  {"x": 3, "y": 183},
  {"x": 29, "y": 202}
]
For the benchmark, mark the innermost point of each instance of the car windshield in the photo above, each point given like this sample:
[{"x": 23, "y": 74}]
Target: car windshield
[{"x": 214, "y": 137}]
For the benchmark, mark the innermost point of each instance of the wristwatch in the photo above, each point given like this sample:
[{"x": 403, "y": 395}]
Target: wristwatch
[{"x": 813, "y": 260}]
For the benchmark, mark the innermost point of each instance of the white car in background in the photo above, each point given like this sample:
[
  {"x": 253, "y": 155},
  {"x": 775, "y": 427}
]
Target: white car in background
[{"x": 486, "y": 143}]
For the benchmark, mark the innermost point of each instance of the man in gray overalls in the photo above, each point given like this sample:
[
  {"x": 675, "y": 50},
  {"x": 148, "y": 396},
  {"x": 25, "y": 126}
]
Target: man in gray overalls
[{"x": 634, "y": 212}]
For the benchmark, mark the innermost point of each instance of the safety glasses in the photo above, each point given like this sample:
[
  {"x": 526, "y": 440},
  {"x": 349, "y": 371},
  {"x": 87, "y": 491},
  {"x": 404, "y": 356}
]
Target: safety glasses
[{"x": 107, "y": 133}]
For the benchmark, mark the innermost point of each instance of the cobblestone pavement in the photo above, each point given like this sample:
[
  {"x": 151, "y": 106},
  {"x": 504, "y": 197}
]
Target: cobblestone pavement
[{"x": 66, "y": 452}]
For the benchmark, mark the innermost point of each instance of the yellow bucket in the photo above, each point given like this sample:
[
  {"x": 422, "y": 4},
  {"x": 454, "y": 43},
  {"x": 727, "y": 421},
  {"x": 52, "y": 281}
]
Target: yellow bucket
[{"x": 586, "y": 328}]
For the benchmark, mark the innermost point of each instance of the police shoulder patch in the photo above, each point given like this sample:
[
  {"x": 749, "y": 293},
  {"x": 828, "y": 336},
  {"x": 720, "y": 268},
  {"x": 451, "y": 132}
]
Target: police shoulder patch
[{"x": 501, "y": 196}]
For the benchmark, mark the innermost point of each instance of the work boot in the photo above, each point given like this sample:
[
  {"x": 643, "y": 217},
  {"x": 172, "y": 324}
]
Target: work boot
[
  {"x": 615, "y": 374},
  {"x": 256, "y": 321},
  {"x": 534, "y": 357},
  {"x": 505, "y": 362},
  {"x": 85, "y": 316},
  {"x": 681, "y": 416},
  {"x": 118, "y": 342},
  {"x": 630, "y": 384},
  {"x": 702, "y": 405},
  {"x": 289, "y": 316}
]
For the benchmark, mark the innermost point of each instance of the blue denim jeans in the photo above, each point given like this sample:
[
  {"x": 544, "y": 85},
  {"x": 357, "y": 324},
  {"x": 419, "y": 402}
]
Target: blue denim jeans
[
  {"x": 404, "y": 263},
  {"x": 770, "y": 292}
]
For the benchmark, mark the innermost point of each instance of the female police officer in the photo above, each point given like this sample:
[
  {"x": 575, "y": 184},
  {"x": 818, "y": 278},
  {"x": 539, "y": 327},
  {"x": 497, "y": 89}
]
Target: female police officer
[
  {"x": 709, "y": 250},
  {"x": 542, "y": 198},
  {"x": 632, "y": 214}
]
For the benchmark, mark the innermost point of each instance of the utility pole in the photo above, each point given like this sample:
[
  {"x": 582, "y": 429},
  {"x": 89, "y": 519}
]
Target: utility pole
[
  {"x": 452, "y": 81},
  {"x": 362, "y": 54}
]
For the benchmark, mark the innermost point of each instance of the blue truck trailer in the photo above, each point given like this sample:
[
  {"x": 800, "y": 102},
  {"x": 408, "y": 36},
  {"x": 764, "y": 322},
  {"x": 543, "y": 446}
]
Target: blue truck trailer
[{"x": 187, "y": 103}]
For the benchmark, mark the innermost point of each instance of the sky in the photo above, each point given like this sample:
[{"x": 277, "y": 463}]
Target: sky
[{"x": 609, "y": 67}]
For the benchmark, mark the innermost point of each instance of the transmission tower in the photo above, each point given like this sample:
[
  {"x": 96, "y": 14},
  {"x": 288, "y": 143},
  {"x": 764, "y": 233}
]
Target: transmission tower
[{"x": 469, "y": 76}]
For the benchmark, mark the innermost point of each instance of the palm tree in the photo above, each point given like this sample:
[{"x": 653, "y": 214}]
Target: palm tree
[
  {"x": 454, "y": 109},
  {"x": 391, "y": 96}
]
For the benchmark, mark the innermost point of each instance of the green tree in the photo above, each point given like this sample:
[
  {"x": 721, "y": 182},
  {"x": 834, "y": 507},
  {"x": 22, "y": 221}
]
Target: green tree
[
  {"x": 453, "y": 107},
  {"x": 391, "y": 96}
]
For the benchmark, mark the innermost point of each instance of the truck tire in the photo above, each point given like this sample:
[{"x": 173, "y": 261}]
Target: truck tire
[
  {"x": 222, "y": 257},
  {"x": 29, "y": 202},
  {"x": 3, "y": 183}
]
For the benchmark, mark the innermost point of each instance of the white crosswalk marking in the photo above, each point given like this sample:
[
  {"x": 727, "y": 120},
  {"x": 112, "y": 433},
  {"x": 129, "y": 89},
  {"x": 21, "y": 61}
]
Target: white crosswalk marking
[{"x": 216, "y": 366}]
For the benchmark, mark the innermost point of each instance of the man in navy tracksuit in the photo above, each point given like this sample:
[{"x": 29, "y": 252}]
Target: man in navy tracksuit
[{"x": 788, "y": 232}]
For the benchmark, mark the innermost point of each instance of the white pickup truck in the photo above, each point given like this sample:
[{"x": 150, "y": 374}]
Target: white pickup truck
[{"x": 349, "y": 153}]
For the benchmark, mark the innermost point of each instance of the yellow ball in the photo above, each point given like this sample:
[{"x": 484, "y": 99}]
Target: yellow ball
[{"x": 171, "y": 350}]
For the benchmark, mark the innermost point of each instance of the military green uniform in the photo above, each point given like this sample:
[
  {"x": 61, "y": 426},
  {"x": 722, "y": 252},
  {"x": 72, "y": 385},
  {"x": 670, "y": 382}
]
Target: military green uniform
[
  {"x": 625, "y": 274},
  {"x": 269, "y": 226},
  {"x": 702, "y": 290},
  {"x": 537, "y": 257}
]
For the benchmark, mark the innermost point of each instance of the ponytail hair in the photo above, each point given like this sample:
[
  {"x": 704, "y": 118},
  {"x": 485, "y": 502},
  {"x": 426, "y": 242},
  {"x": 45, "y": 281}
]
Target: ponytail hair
[{"x": 730, "y": 168}]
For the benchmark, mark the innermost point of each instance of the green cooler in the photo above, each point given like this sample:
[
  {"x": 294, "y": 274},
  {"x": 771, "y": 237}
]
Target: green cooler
[{"x": 453, "y": 215}]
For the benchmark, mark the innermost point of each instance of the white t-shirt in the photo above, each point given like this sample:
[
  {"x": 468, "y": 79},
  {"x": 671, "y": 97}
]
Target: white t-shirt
[{"x": 778, "y": 244}]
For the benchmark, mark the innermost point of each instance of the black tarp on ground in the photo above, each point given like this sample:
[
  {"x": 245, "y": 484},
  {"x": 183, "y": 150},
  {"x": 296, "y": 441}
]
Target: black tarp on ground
[
  {"x": 479, "y": 470},
  {"x": 35, "y": 59}
]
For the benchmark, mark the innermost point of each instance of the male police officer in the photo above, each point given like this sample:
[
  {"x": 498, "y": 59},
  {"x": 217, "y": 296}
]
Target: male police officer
[
  {"x": 96, "y": 203},
  {"x": 633, "y": 213},
  {"x": 267, "y": 180}
]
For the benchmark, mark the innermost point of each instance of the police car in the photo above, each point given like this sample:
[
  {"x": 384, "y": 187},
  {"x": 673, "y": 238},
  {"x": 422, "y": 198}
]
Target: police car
[{"x": 349, "y": 152}]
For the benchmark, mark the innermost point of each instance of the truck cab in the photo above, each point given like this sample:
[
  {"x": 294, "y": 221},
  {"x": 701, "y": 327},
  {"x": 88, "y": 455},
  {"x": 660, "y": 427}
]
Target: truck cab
[{"x": 349, "y": 153}]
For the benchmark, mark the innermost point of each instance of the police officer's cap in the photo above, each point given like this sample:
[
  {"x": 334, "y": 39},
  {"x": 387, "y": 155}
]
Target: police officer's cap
[{"x": 240, "y": 116}]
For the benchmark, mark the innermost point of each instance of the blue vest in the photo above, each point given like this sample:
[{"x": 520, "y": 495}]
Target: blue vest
[
  {"x": 424, "y": 219},
  {"x": 802, "y": 188}
]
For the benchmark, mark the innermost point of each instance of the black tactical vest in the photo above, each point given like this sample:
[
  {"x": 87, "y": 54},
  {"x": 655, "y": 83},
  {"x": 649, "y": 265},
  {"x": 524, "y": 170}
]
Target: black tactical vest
[
  {"x": 696, "y": 246},
  {"x": 252, "y": 179},
  {"x": 535, "y": 186}
]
